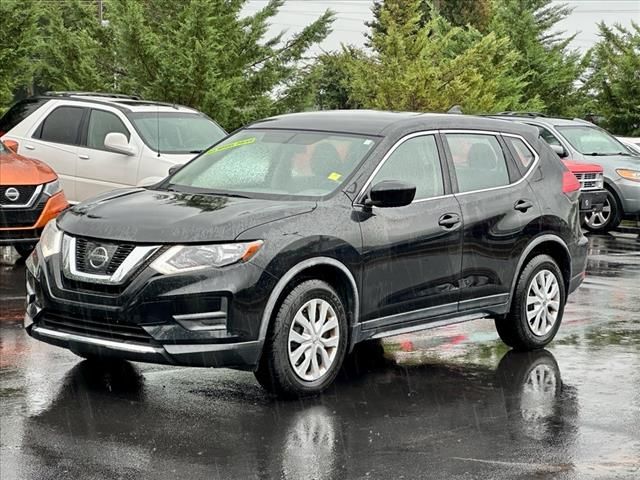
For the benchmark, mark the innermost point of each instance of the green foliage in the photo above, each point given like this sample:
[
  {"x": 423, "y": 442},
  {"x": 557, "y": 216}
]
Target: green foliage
[
  {"x": 18, "y": 38},
  {"x": 202, "y": 54},
  {"x": 74, "y": 52},
  {"x": 432, "y": 67},
  {"x": 458, "y": 12},
  {"x": 614, "y": 78},
  {"x": 333, "y": 78},
  {"x": 549, "y": 67}
]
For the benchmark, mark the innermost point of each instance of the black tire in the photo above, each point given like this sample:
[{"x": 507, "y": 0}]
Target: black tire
[
  {"x": 594, "y": 224},
  {"x": 275, "y": 371},
  {"x": 24, "y": 249},
  {"x": 514, "y": 328}
]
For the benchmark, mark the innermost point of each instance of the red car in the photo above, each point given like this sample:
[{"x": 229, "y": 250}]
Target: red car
[
  {"x": 591, "y": 178},
  {"x": 30, "y": 196}
]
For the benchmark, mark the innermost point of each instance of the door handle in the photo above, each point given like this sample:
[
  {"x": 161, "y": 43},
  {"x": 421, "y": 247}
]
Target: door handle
[
  {"x": 523, "y": 205},
  {"x": 29, "y": 147},
  {"x": 83, "y": 157},
  {"x": 449, "y": 220}
]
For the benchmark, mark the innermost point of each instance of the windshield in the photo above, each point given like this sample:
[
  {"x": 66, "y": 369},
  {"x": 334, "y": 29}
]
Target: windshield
[
  {"x": 275, "y": 164},
  {"x": 179, "y": 132},
  {"x": 592, "y": 141}
]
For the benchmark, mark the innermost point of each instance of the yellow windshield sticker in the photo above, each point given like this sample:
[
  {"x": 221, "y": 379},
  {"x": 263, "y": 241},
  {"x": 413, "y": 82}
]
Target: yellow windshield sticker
[
  {"x": 334, "y": 176},
  {"x": 228, "y": 146}
]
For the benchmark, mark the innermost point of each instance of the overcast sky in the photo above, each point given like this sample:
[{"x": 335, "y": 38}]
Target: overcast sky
[{"x": 351, "y": 15}]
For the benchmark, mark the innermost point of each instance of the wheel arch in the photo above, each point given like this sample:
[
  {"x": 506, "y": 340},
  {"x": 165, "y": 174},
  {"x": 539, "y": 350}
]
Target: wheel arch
[
  {"x": 547, "y": 244},
  {"x": 328, "y": 269}
]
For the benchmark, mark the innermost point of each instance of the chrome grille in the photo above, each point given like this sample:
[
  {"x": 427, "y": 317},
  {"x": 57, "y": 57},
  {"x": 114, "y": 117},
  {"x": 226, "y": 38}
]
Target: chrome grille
[
  {"x": 117, "y": 255},
  {"x": 22, "y": 217},
  {"x": 590, "y": 180},
  {"x": 102, "y": 262}
]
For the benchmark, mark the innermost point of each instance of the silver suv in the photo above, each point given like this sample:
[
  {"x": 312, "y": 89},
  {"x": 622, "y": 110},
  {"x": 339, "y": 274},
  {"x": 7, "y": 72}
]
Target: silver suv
[{"x": 584, "y": 142}]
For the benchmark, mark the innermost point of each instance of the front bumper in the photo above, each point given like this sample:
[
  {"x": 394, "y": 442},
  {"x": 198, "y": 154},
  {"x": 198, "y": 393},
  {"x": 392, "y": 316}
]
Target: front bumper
[
  {"x": 244, "y": 355},
  {"x": 592, "y": 200},
  {"x": 203, "y": 319},
  {"x": 50, "y": 209}
]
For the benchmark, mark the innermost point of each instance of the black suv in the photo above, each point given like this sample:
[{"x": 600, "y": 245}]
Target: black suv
[{"x": 295, "y": 238}]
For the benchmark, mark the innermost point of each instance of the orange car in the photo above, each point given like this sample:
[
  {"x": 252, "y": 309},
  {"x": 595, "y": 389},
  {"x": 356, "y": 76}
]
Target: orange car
[{"x": 30, "y": 196}]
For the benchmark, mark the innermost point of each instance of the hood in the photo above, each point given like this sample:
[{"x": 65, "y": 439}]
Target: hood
[
  {"x": 612, "y": 161},
  {"x": 156, "y": 217},
  {"x": 18, "y": 170},
  {"x": 576, "y": 167}
]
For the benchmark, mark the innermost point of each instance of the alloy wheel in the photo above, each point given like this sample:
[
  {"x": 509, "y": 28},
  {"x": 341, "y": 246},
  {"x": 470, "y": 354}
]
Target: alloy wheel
[
  {"x": 313, "y": 340},
  {"x": 599, "y": 219},
  {"x": 543, "y": 302}
]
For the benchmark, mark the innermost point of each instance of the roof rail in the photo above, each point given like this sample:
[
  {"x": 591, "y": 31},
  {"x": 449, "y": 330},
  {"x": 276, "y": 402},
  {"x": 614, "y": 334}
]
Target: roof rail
[
  {"x": 522, "y": 114},
  {"x": 91, "y": 94}
]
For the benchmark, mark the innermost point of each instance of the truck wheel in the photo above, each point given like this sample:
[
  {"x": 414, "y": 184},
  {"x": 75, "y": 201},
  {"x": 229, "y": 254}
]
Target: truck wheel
[
  {"x": 537, "y": 306},
  {"x": 608, "y": 219},
  {"x": 306, "y": 344}
]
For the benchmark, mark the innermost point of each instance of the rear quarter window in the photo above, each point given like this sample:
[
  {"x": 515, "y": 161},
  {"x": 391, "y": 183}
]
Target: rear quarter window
[{"x": 18, "y": 112}]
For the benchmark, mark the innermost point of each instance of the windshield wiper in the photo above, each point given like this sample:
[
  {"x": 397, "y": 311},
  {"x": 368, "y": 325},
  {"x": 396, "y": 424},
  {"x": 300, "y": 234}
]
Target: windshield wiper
[
  {"x": 226, "y": 194},
  {"x": 607, "y": 154}
]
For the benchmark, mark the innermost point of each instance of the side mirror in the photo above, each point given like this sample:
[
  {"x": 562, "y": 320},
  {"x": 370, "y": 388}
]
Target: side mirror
[
  {"x": 391, "y": 193},
  {"x": 174, "y": 169},
  {"x": 11, "y": 145},
  {"x": 559, "y": 149},
  {"x": 117, "y": 142}
]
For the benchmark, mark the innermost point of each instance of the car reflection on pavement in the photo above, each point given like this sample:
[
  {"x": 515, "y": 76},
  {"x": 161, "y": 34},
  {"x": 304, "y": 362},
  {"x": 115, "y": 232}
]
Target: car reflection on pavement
[{"x": 397, "y": 412}]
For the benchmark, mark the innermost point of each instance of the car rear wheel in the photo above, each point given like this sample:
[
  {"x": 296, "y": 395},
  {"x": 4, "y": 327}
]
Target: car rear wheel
[
  {"x": 24, "y": 249},
  {"x": 608, "y": 219},
  {"x": 537, "y": 306},
  {"x": 307, "y": 342}
]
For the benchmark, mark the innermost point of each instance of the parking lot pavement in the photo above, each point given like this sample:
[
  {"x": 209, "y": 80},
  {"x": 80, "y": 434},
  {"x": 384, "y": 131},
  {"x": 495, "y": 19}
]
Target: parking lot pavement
[{"x": 450, "y": 403}]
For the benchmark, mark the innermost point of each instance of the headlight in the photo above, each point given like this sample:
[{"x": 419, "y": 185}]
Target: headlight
[
  {"x": 629, "y": 174},
  {"x": 187, "y": 258},
  {"x": 51, "y": 239},
  {"x": 32, "y": 263},
  {"x": 52, "y": 188}
]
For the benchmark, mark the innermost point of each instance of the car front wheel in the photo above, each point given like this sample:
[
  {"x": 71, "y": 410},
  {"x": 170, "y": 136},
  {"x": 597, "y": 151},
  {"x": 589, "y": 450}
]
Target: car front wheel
[
  {"x": 537, "y": 306},
  {"x": 605, "y": 220},
  {"x": 306, "y": 345}
]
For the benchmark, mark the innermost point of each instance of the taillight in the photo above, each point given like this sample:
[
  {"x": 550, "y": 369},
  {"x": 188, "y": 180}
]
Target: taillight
[{"x": 570, "y": 183}]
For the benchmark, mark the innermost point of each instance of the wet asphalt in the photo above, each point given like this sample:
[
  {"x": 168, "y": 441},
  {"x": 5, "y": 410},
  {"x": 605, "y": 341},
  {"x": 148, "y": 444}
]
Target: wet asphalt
[{"x": 452, "y": 403}]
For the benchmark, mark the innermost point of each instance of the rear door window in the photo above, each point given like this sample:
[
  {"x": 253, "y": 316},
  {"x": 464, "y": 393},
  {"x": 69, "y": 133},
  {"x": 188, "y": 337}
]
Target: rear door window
[
  {"x": 478, "y": 160},
  {"x": 62, "y": 126}
]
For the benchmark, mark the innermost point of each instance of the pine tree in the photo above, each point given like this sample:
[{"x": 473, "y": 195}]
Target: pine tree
[
  {"x": 551, "y": 69},
  {"x": 614, "y": 77},
  {"x": 432, "y": 67},
  {"x": 18, "y": 40}
]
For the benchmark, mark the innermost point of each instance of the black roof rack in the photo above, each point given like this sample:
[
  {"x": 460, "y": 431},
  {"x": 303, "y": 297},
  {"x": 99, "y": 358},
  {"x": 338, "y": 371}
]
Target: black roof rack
[
  {"x": 91, "y": 94},
  {"x": 522, "y": 114}
]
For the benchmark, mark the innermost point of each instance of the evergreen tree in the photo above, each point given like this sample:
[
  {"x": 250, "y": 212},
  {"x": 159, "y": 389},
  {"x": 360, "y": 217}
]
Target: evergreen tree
[
  {"x": 18, "y": 41},
  {"x": 550, "y": 68},
  {"x": 433, "y": 67},
  {"x": 614, "y": 78},
  {"x": 75, "y": 52},
  {"x": 458, "y": 12},
  {"x": 203, "y": 54}
]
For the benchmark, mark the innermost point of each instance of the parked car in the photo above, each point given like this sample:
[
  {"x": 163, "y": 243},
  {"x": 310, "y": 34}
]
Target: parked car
[
  {"x": 592, "y": 192},
  {"x": 295, "y": 238},
  {"x": 30, "y": 196},
  {"x": 98, "y": 142},
  {"x": 631, "y": 143},
  {"x": 584, "y": 142}
]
